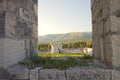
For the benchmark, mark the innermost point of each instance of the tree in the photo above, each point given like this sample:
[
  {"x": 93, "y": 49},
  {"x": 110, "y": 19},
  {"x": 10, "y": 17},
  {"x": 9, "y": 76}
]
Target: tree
[
  {"x": 69, "y": 45},
  {"x": 44, "y": 47},
  {"x": 89, "y": 44},
  {"x": 83, "y": 44},
  {"x": 64, "y": 46},
  {"x": 76, "y": 44}
]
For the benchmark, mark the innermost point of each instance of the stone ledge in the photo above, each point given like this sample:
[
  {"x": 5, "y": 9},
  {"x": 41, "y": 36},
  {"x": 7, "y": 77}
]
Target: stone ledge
[
  {"x": 51, "y": 74},
  {"x": 54, "y": 74},
  {"x": 34, "y": 73},
  {"x": 80, "y": 74},
  {"x": 95, "y": 74}
]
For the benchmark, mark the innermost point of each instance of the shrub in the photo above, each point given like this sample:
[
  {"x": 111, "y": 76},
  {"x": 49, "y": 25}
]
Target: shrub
[{"x": 50, "y": 62}]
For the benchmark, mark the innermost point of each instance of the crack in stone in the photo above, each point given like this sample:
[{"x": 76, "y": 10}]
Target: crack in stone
[{"x": 65, "y": 75}]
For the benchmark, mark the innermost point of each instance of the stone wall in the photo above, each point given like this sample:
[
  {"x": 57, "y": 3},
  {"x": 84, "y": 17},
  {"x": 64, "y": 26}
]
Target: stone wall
[
  {"x": 106, "y": 31},
  {"x": 18, "y": 30},
  {"x": 115, "y": 31},
  {"x": 73, "y": 74},
  {"x": 102, "y": 46}
]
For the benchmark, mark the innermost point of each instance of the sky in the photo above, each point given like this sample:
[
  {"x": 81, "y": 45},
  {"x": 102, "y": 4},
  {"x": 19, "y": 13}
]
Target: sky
[{"x": 63, "y": 16}]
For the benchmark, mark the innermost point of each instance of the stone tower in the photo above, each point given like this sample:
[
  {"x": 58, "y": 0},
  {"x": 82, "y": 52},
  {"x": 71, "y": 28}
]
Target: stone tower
[{"x": 18, "y": 30}]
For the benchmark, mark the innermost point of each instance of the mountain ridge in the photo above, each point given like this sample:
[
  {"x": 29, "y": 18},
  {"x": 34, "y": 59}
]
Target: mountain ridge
[{"x": 65, "y": 37}]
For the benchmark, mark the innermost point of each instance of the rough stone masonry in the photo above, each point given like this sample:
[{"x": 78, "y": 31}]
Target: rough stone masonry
[
  {"x": 18, "y": 40},
  {"x": 106, "y": 31},
  {"x": 18, "y": 30}
]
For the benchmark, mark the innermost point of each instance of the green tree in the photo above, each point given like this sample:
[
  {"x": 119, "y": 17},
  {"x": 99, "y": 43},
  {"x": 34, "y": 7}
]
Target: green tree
[
  {"x": 83, "y": 44},
  {"x": 64, "y": 45},
  {"x": 76, "y": 44},
  {"x": 89, "y": 44},
  {"x": 69, "y": 45},
  {"x": 44, "y": 47}
]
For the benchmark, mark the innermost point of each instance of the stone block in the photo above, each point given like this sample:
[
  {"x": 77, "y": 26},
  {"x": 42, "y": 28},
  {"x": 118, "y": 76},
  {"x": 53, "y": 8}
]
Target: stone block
[
  {"x": 23, "y": 30},
  {"x": 19, "y": 73},
  {"x": 2, "y": 52},
  {"x": 51, "y": 74},
  {"x": 34, "y": 74},
  {"x": 108, "y": 52},
  {"x": 14, "y": 51},
  {"x": 114, "y": 5},
  {"x": 34, "y": 46},
  {"x": 100, "y": 74},
  {"x": 115, "y": 75},
  {"x": 10, "y": 25},
  {"x": 115, "y": 24},
  {"x": 116, "y": 47},
  {"x": 35, "y": 31},
  {"x": 27, "y": 48}
]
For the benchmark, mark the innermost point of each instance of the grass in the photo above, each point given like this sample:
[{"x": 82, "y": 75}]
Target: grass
[
  {"x": 62, "y": 55},
  {"x": 55, "y": 62}
]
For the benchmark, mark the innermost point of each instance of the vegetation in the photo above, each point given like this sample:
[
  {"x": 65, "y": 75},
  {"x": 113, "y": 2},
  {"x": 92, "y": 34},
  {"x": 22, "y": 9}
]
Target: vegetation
[
  {"x": 62, "y": 55},
  {"x": 44, "y": 47},
  {"x": 77, "y": 45},
  {"x": 52, "y": 62},
  {"x": 89, "y": 44}
]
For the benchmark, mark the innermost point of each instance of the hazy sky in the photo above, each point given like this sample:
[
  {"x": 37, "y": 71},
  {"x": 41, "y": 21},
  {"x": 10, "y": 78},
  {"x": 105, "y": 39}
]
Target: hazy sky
[{"x": 63, "y": 16}]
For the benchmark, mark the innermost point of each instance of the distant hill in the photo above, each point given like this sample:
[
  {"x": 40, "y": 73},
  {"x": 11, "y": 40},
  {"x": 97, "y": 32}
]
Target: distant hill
[{"x": 68, "y": 37}]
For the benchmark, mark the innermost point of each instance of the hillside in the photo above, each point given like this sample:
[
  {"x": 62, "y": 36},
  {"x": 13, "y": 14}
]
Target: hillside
[{"x": 68, "y": 37}]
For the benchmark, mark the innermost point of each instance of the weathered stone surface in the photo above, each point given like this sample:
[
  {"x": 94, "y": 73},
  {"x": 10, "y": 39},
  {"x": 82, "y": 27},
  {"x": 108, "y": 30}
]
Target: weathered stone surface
[
  {"x": 2, "y": 6},
  {"x": 18, "y": 35},
  {"x": 116, "y": 48},
  {"x": 51, "y": 74},
  {"x": 2, "y": 24},
  {"x": 19, "y": 73},
  {"x": 23, "y": 30},
  {"x": 5, "y": 75},
  {"x": 34, "y": 47},
  {"x": 2, "y": 57},
  {"x": 27, "y": 48},
  {"x": 35, "y": 31},
  {"x": 105, "y": 24},
  {"x": 115, "y": 75},
  {"x": 108, "y": 51},
  {"x": 10, "y": 20},
  {"x": 115, "y": 31},
  {"x": 88, "y": 74},
  {"x": 18, "y": 28},
  {"x": 106, "y": 31},
  {"x": 14, "y": 51},
  {"x": 34, "y": 74}
]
